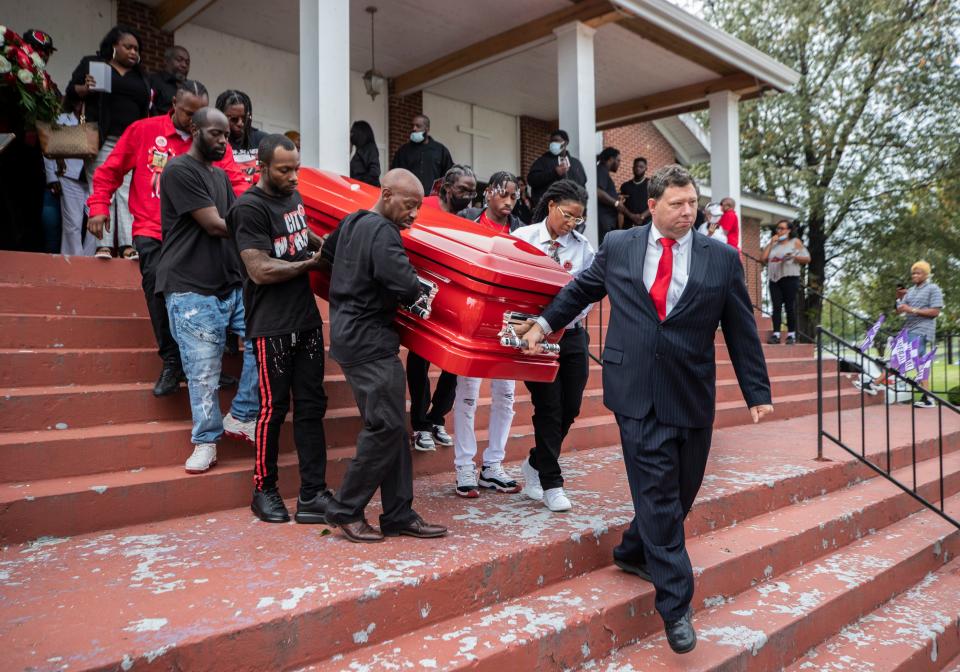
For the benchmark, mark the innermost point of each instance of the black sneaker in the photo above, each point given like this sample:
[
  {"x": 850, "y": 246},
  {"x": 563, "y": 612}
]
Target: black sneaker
[
  {"x": 773, "y": 338},
  {"x": 168, "y": 382},
  {"x": 268, "y": 506},
  {"x": 440, "y": 436},
  {"x": 791, "y": 339},
  {"x": 313, "y": 510}
]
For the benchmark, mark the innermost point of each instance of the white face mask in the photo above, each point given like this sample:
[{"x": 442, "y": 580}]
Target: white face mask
[
  {"x": 417, "y": 136},
  {"x": 556, "y": 148}
]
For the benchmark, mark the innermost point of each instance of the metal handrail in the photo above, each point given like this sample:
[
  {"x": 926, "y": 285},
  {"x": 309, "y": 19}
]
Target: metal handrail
[{"x": 913, "y": 386}]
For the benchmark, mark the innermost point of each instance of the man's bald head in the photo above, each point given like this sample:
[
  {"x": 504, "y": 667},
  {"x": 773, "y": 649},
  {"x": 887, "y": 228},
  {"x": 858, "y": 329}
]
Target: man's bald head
[
  {"x": 400, "y": 197},
  {"x": 210, "y": 130}
]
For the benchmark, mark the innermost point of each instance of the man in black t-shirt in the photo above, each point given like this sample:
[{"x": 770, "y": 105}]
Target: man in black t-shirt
[
  {"x": 269, "y": 225},
  {"x": 199, "y": 276},
  {"x": 371, "y": 275},
  {"x": 635, "y": 194}
]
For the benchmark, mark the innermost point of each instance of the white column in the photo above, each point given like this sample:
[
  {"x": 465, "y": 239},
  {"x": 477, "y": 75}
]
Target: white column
[
  {"x": 325, "y": 84},
  {"x": 576, "y": 93},
  {"x": 725, "y": 148}
]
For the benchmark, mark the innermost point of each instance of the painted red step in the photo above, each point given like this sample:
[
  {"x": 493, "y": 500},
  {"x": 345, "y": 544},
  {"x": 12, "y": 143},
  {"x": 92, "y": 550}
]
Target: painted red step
[
  {"x": 56, "y": 300},
  {"x": 770, "y": 626},
  {"x": 913, "y": 632},
  {"x": 583, "y": 618},
  {"x": 60, "y": 331},
  {"x": 277, "y": 596}
]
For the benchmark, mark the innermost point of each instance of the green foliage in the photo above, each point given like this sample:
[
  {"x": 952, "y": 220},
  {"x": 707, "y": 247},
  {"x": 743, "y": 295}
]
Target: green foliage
[{"x": 865, "y": 144}]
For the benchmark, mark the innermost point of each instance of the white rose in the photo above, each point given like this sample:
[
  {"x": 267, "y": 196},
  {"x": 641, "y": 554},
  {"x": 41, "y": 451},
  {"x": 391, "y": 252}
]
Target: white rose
[
  {"x": 5, "y": 66},
  {"x": 38, "y": 61},
  {"x": 25, "y": 76}
]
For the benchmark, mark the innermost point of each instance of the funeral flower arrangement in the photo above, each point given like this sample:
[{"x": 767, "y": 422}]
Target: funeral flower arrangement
[{"x": 23, "y": 70}]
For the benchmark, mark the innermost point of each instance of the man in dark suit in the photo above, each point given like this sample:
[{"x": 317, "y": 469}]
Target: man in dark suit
[{"x": 669, "y": 288}]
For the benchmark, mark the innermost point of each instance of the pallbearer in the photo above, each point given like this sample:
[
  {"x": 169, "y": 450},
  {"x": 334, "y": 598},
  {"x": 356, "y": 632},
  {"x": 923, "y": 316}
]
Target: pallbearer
[
  {"x": 556, "y": 405},
  {"x": 269, "y": 225}
]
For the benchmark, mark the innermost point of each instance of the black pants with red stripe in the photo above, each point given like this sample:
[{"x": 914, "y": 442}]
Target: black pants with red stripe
[{"x": 291, "y": 363}]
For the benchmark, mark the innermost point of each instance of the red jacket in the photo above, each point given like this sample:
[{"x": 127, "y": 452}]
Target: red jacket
[
  {"x": 730, "y": 224},
  {"x": 145, "y": 147}
]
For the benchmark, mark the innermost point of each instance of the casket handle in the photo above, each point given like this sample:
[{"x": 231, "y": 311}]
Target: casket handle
[
  {"x": 510, "y": 339},
  {"x": 423, "y": 306}
]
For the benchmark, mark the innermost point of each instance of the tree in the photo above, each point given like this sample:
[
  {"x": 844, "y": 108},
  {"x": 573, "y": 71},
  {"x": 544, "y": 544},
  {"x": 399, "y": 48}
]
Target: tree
[{"x": 873, "y": 118}]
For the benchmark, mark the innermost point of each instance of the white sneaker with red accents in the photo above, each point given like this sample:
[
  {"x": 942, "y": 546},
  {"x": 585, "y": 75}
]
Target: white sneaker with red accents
[{"x": 242, "y": 431}]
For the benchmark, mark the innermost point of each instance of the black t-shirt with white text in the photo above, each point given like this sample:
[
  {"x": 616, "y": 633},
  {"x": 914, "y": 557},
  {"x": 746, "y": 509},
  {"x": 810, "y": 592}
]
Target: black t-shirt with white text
[
  {"x": 278, "y": 226},
  {"x": 191, "y": 260}
]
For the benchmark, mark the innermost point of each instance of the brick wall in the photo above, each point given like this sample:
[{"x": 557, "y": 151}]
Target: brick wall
[
  {"x": 750, "y": 243},
  {"x": 401, "y": 111},
  {"x": 141, "y": 18},
  {"x": 534, "y": 138},
  {"x": 638, "y": 140}
]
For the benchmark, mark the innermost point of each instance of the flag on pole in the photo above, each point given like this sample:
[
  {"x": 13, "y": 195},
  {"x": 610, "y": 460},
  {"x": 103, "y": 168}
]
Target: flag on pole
[
  {"x": 925, "y": 366},
  {"x": 872, "y": 334},
  {"x": 911, "y": 357},
  {"x": 898, "y": 351}
]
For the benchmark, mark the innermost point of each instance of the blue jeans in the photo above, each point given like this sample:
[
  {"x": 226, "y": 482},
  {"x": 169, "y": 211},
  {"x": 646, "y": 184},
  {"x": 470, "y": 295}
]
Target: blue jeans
[{"x": 199, "y": 324}]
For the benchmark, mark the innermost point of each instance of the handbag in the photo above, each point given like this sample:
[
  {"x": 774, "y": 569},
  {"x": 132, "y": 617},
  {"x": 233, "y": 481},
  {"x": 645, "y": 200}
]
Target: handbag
[{"x": 70, "y": 142}]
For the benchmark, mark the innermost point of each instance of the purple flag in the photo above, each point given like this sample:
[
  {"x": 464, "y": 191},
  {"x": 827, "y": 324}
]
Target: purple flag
[
  {"x": 872, "y": 334},
  {"x": 911, "y": 356},
  {"x": 898, "y": 351},
  {"x": 925, "y": 365}
]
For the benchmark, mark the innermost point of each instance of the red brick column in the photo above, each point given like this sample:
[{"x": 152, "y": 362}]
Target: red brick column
[
  {"x": 141, "y": 18},
  {"x": 401, "y": 111},
  {"x": 534, "y": 138},
  {"x": 635, "y": 140}
]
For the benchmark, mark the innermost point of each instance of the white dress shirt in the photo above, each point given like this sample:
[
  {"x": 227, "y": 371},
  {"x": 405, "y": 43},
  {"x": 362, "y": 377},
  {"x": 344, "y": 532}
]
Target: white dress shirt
[
  {"x": 573, "y": 250},
  {"x": 681, "y": 264}
]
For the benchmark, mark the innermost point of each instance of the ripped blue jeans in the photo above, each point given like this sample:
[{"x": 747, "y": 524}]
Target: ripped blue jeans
[{"x": 199, "y": 324}]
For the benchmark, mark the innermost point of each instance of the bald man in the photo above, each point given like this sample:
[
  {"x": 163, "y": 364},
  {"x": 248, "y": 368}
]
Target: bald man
[
  {"x": 370, "y": 277},
  {"x": 199, "y": 275}
]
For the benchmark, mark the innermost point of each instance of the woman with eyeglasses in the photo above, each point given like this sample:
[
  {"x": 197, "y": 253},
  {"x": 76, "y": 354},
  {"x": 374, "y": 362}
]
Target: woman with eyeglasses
[
  {"x": 500, "y": 197},
  {"x": 784, "y": 255},
  {"x": 557, "y": 404}
]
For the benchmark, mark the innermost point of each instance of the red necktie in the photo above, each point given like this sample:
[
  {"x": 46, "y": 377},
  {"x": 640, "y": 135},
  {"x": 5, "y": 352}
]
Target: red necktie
[{"x": 661, "y": 284}]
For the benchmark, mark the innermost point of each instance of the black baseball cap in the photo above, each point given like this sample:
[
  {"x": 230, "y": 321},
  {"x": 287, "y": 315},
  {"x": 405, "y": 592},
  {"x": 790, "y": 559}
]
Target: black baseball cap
[{"x": 39, "y": 40}]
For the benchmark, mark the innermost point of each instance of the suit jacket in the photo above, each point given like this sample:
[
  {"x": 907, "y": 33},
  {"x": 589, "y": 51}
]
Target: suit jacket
[{"x": 668, "y": 367}]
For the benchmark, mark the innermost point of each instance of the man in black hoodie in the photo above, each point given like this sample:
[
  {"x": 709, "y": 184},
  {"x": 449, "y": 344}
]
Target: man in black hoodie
[
  {"x": 423, "y": 156},
  {"x": 371, "y": 276},
  {"x": 554, "y": 164}
]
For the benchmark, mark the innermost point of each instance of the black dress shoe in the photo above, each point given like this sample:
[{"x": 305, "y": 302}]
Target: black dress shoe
[
  {"x": 226, "y": 380},
  {"x": 313, "y": 510},
  {"x": 268, "y": 506},
  {"x": 417, "y": 528},
  {"x": 359, "y": 531},
  {"x": 638, "y": 568},
  {"x": 168, "y": 382},
  {"x": 680, "y": 633}
]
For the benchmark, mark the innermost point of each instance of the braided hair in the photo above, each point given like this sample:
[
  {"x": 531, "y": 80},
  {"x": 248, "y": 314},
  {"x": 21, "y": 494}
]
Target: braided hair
[
  {"x": 235, "y": 97},
  {"x": 561, "y": 190},
  {"x": 455, "y": 172},
  {"x": 192, "y": 86},
  {"x": 500, "y": 179}
]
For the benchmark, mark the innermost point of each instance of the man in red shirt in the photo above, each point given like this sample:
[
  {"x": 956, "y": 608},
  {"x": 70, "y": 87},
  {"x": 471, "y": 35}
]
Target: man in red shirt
[
  {"x": 729, "y": 222},
  {"x": 145, "y": 148}
]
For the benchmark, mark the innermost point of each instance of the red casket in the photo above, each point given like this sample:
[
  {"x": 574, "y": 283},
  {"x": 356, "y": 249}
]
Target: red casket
[{"x": 483, "y": 281}]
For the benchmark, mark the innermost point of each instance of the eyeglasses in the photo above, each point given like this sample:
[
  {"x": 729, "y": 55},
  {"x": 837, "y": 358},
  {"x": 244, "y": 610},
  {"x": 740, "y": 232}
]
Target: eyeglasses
[{"x": 577, "y": 221}]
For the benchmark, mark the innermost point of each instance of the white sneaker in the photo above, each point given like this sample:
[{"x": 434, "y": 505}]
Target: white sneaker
[
  {"x": 493, "y": 476},
  {"x": 204, "y": 456},
  {"x": 242, "y": 431},
  {"x": 866, "y": 386},
  {"x": 441, "y": 437},
  {"x": 423, "y": 441},
  {"x": 531, "y": 481},
  {"x": 555, "y": 500},
  {"x": 467, "y": 481}
]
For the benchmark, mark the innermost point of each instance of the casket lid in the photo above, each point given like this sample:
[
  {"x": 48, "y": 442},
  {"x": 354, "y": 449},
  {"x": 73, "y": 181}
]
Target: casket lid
[{"x": 462, "y": 245}]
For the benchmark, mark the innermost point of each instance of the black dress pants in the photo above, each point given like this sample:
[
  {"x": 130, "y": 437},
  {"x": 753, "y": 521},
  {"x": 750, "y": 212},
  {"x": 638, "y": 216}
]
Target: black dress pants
[
  {"x": 383, "y": 449},
  {"x": 424, "y": 414},
  {"x": 291, "y": 364},
  {"x": 783, "y": 294},
  {"x": 557, "y": 404},
  {"x": 149, "y": 251},
  {"x": 665, "y": 466}
]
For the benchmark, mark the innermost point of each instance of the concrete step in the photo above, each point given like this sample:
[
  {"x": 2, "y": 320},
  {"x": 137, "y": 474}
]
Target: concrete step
[
  {"x": 914, "y": 631},
  {"x": 74, "y": 331},
  {"x": 580, "y": 620},
  {"x": 223, "y": 590},
  {"x": 48, "y": 407},
  {"x": 770, "y": 626},
  {"x": 72, "y": 301}
]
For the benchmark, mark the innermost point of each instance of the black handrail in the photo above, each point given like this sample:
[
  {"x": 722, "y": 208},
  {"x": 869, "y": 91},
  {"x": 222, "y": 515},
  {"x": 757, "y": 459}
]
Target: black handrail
[{"x": 885, "y": 471}]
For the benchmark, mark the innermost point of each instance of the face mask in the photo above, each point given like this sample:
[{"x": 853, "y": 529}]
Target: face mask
[
  {"x": 782, "y": 237},
  {"x": 458, "y": 203},
  {"x": 417, "y": 136},
  {"x": 556, "y": 148}
]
